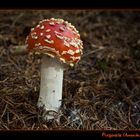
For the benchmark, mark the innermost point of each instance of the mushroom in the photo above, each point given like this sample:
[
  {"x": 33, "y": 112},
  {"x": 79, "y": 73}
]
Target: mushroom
[{"x": 59, "y": 44}]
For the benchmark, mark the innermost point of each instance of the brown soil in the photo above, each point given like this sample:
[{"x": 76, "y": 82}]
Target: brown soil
[{"x": 101, "y": 92}]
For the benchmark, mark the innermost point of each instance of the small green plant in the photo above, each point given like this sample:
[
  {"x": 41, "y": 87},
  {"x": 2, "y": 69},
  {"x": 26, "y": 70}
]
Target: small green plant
[
  {"x": 103, "y": 65},
  {"x": 18, "y": 50},
  {"x": 135, "y": 52}
]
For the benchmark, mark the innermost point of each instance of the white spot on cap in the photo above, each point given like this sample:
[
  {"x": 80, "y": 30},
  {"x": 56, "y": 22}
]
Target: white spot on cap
[
  {"x": 63, "y": 60},
  {"x": 66, "y": 43},
  {"x": 77, "y": 51},
  {"x": 51, "y": 55},
  {"x": 62, "y": 28},
  {"x": 34, "y": 35},
  {"x": 48, "y": 30},
  {"x": 81, "y": 47},
  {"x": 52, "y": 19},
  {"x": 75, "y": 58},
  {"x": 48, "y": 36},
  {"x": 76, "y": 33},
  {"x": 40, "y": 21},
  {"x": 64, "y": 52},
  {"x": 52, "y": 23},
  {"x": 66, "y": 22},
  {"x": 74, "y": 44},
  {"x": 72, "y": 57},
  {"x": 71, "y": 52},
  {"x": 38, "y": 26},
  {"x": 45, "y": 20},
  {"x": 42, "y": 27},
  {"x": 49, "y": 41},
  {"x": 79, "y": 42},
  {"x": 66, "y": 38},
  {"x": 58, "y": 35},
  {"x": 32, "y": 29},
  {"x": 37, "y": 44},
  {"x": 41, "y": 34},
  {"x": 59, "y": 21},
  {"x": 47, "y": 48}
]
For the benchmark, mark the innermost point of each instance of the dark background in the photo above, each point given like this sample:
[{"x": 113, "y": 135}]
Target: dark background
[{"x": 62, "y": 4}]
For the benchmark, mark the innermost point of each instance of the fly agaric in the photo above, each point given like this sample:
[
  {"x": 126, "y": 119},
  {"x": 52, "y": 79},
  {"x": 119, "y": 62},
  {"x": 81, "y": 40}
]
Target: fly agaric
[{"x": 59, "y": 44}]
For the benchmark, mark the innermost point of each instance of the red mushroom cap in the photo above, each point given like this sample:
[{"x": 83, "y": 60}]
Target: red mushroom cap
[{"x": 56, "y": 38}]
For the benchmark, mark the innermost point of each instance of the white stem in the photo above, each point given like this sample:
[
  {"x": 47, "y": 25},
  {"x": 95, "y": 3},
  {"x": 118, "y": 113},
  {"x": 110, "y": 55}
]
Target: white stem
[{"x": 51, "y": 84}]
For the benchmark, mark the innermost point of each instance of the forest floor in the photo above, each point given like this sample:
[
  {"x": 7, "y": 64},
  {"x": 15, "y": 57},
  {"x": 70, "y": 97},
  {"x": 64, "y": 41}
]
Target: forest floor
[{"x": 101, "y": 92}]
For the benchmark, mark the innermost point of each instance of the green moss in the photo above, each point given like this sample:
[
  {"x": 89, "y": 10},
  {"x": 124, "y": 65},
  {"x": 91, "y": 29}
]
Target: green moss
[
  {"x": 135, "y": 52},
  {"x": 18, "y": 50},
  {"x": 103, "y": 65}
]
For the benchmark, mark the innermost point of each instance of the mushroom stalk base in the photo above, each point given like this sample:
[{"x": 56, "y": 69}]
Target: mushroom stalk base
[{"x": 51, "y": 86}]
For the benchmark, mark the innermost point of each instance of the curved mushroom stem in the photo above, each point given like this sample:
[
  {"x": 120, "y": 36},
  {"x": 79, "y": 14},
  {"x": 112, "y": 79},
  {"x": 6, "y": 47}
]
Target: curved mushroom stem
[{"x": 51, "y": 86}]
